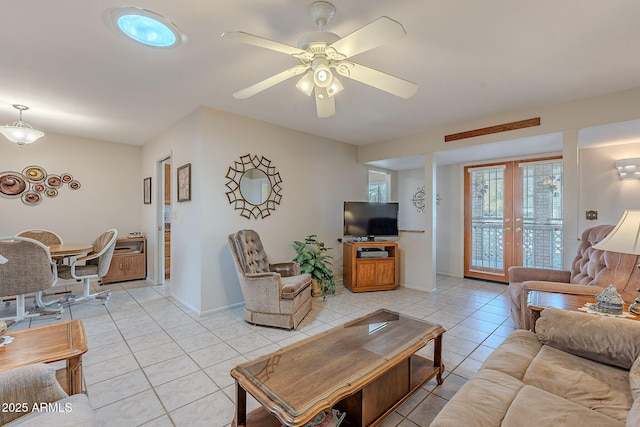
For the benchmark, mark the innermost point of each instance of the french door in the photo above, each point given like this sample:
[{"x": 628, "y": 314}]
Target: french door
[{"x": 512, "y": 216}]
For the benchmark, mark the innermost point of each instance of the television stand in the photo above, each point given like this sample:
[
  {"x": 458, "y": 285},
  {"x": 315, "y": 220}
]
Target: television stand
[{"x": 365, "y": 274}]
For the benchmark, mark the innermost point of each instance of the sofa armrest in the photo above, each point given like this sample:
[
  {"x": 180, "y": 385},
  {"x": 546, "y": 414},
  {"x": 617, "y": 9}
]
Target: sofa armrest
[
  {"x": 26, "y": 386},
  {"x": 286, "y": 269},
  {"x": 523, "y": 274},
  {"x": 610, "y": 340}
]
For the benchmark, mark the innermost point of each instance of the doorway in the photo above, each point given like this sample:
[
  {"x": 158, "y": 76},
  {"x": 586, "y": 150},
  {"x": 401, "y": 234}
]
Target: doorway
[
  {"x": 164, "y": 221},
  {"x": 512, "y": 216}
]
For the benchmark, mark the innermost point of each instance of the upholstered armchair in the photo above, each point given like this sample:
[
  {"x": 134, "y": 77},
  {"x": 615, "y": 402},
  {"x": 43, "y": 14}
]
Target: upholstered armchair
[
  {"x": 274, "y": 294},
  {"x": 592, "y": 270},
  {"x": 33, "y": 397}
]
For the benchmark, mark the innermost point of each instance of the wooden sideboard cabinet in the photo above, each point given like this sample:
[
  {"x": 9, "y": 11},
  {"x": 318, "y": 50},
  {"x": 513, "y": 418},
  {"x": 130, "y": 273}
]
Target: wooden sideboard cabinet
[
  {"x": 129, "y": 260},
  {"x": 362, "y": 274}
]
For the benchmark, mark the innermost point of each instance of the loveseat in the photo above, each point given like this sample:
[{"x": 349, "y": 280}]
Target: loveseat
[
  {"x": 578, "y": 369},
  {"x": 592, "y": 270},
  {"x": 31, "y": 396}
]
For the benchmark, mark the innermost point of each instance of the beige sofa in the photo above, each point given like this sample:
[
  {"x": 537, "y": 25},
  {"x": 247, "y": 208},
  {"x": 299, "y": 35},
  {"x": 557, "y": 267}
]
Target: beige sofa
[
  {"x": 592, "y": 270},
  {"x": 31, "y": 396},
  {"x": 579, "y": 369}
]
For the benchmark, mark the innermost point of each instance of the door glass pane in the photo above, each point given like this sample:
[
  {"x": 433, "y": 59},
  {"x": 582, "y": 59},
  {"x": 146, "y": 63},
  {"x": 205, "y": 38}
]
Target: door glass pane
[
  {"x": 542, "y": 215},
  {"x": 487, "y": 218}
]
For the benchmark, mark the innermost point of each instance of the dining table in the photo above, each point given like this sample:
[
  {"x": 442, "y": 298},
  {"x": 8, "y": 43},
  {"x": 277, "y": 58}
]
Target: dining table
[{"x": 69, "y": 249}]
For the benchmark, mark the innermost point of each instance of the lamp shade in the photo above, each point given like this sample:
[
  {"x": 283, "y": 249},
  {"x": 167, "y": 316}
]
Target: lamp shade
[
  {"x": 625, "y": 237},
  {"x": 20, "y": 134}
]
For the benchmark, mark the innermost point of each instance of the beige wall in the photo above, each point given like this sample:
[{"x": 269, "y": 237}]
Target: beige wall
[
  {"x": 110, "y": 195},
  {"x": 318, "y": 175}
]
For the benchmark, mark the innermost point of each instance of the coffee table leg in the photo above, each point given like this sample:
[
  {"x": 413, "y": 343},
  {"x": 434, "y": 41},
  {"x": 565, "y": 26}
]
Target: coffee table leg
[
  {"x": 74, "y": 374},
  {"x": 241, "y": 406},
  {"x": 437, "y": 358}
]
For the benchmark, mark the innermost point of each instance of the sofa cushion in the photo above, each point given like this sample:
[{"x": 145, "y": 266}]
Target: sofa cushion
[
  {"x": 293, "y": 285},
  {"x": 605, "y": 339},
  {"x": 634, "y": 379},
  {"x": 515, "y": 354},
  {"x": 535, "y": 407},
  {"x": 599, "y": 387}
]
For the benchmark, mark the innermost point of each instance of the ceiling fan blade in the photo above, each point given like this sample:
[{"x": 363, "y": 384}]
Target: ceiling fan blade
[
  {"x": 247, "y": 38},
  {"x": 376, "y": 33},
  {"x": 325, "y": 104},
  {"x": 271, "y": 81},
  {"x": 379, "y": 80}
]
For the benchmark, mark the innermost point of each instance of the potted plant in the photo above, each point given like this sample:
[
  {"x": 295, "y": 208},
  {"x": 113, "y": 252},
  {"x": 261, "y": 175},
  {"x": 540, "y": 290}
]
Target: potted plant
[{"x": 314, "y": 260}]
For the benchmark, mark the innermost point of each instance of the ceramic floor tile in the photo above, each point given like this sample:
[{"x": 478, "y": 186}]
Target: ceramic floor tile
[
  {"x": 158, "y": 354},
  {"x": 197, "y": 342},
  {"x": 185, "y": 390},
  {"x": 110, "y": 368},
  {"x": 214, "y": 354},
  {"x": 137, "y": 410},
  {"x": 117, "y": 388},
  {"x": 147, "y": 341},
  {"x": 427, "y": 410},
  {"x": 170, "y": 370},
  {"x": 214, "y": 410}
]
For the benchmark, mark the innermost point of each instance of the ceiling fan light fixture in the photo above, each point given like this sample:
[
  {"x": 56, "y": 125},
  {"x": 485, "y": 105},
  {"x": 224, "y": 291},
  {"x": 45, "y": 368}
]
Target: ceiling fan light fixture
[
  {"x": 20, "y": 132},
  {"x": 322, "y": 76},
  {"x": 306, "y": 84},
  {"x": 334, "y": 87}
]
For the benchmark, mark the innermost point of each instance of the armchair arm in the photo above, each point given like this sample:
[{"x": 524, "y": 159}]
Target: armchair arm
[
  {"x": 26, "y": 386},
  {"x": 562, "y": 288},
  {"x": 523, "y": 274},
  {"x": 261, "y": 292},
  {"x": 609, "y": 340},
  {"x": 286, "y": 269}
]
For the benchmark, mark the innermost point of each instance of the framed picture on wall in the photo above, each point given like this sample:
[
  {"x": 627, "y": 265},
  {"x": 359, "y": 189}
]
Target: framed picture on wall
[
  {"x": 147, "y": 191},
  {"x": 184, "y": 183}
]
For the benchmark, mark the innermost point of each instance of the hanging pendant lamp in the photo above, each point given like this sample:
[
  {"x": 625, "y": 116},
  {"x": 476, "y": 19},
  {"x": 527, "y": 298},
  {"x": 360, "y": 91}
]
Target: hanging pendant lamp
[{"x": 20, "y": 132}]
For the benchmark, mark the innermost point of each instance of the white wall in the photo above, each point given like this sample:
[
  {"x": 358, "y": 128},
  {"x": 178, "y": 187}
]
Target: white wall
[
  {"x": 110, "y": 195},
  {"x": 318, "y": 175},
  {"x": 601, "y": 189}
]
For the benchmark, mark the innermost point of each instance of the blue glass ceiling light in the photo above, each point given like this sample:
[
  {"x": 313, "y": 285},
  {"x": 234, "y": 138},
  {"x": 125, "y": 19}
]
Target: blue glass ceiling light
[{"x": 146, "y": 27}]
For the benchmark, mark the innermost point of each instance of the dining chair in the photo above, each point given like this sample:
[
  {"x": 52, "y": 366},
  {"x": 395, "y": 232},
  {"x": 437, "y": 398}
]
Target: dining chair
[
  {"x": 47, "y": 238},
  {"x": 28, "y": 269},
  {"x": 95, "y": 265}
]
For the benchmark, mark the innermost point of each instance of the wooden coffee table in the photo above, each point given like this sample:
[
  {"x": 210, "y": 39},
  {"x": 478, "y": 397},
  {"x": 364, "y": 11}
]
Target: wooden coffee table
[
  {"x": 366, "y": 368},
  {"x": 47, "y": 344},
  {"x": 539, "y": 300}
]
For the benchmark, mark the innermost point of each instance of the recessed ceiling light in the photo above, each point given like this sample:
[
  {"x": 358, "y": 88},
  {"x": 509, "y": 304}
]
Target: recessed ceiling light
[{"x": 146, "y": 27}]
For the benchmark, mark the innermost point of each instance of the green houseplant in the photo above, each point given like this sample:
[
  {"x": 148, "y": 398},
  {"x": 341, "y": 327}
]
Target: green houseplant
[{"x": 314, "y": 260}]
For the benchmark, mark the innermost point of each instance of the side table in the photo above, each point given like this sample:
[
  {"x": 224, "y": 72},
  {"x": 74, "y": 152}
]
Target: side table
[
  {"x": 47, "y": 344},
  {"x": 539, "y": 300}
]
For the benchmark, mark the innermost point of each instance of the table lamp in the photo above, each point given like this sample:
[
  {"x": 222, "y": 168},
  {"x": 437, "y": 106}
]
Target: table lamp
[{"x": 625, "y": 238}]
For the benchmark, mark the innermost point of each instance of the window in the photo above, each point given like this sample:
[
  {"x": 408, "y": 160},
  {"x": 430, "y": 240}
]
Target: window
[{"x": 379, "y": 186}]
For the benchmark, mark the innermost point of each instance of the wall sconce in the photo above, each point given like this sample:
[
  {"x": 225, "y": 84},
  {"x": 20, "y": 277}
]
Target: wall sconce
[{"x": 628, "y": 168}]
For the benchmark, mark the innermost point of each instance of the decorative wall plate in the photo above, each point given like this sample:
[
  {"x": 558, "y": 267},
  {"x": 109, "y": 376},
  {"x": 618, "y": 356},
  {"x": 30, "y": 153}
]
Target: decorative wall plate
[
  {"x": 54, "y": 181},
  {"x": 51, "y": 192},
  {"x": 74, "y": 185},
  {"x": 31, "y": 198},
  {"x": 39, "y": 188},
  {"x": 34, "y": 173},
  {"x": 66, "y": 177},
  {"x": 12, "y": 184}
]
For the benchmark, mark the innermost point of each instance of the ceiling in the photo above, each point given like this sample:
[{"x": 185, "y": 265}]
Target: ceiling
[{"x": 471, "y": 60}]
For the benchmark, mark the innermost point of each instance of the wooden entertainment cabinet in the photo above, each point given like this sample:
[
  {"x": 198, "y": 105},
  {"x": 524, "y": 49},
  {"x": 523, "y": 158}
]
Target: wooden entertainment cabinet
[
  {"x": 370, "y": 274},
  {"x": 129, "y": 260}
]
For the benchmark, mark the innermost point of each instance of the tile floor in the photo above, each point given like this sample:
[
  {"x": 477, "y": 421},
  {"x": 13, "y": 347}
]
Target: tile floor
[{"x": 152, "y": 362}]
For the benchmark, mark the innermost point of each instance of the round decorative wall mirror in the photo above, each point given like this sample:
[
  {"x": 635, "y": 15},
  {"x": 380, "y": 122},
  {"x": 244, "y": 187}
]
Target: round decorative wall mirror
[{"x": 254, "y": 186}]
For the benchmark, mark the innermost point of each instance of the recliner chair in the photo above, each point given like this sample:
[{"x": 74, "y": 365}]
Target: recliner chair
[
  {"x": 592, "y": 270},
  {"x": 274, "y": 294}
]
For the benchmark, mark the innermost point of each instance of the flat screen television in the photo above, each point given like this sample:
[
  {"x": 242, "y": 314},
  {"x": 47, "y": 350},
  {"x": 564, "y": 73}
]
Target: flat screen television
[{"x": 370, "y": 219}]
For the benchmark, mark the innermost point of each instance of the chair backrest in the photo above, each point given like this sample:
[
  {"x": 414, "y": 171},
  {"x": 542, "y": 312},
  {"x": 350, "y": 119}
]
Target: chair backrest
[
  {"x": 43, "y": 236},
  {"x": 248, "y": 251},
  {"x": 602, "y": 268},
  {"x": 28, "y": 268},
  {"x": 103, "y": 247}
]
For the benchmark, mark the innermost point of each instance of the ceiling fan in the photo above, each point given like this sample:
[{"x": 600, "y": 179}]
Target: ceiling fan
[{"x": 320, "y": 52}]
